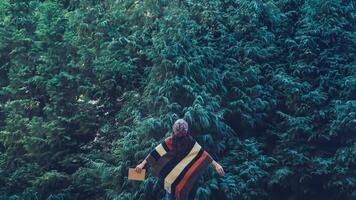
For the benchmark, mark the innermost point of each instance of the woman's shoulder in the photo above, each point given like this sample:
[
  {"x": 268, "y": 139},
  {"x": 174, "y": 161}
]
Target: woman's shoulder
[
  {"x": 168, "y": 138},
  {"x": 191, "y": 138}
]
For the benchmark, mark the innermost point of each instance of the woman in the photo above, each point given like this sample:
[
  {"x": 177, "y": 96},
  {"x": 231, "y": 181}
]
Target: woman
[{"x": 178, "y": 161}]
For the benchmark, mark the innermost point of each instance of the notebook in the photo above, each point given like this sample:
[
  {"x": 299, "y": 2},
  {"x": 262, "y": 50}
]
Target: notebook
[{"x": 133, "y": 175}]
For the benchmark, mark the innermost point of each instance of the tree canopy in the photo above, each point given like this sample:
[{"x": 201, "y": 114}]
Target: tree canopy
[{"x": 89, "y": 87}]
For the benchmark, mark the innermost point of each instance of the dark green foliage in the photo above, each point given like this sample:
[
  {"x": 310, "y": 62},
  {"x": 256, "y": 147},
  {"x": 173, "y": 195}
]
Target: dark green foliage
[{"x": 88, "y": 88}]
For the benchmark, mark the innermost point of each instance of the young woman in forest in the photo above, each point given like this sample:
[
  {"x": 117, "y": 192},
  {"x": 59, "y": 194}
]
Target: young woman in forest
[{"x": 178, "y": 161}]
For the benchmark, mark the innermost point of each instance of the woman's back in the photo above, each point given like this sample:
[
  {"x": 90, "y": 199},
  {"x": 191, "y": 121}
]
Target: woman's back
[{"x": 178, "y": 162}]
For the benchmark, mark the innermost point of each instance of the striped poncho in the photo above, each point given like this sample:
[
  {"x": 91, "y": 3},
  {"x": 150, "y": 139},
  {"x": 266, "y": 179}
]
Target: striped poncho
[{"x": 178, "y": 174}]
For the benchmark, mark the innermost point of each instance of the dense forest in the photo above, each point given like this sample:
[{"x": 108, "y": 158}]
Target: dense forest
[{"x": 89, "y": 87}]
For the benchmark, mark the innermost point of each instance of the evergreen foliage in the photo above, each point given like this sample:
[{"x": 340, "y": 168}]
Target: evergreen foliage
[{"x": 89, "y": 87}]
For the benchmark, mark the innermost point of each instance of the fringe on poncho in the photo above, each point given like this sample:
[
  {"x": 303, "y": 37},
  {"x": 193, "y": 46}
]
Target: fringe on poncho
[{"x": 178, "y": 174}]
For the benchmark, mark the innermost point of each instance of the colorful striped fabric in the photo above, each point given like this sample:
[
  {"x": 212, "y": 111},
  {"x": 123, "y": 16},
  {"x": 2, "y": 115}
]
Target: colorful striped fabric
[{"x": 178, "y": 173}]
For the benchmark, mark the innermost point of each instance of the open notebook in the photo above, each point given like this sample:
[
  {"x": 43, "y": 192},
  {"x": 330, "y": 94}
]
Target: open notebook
[{"x": 133, "y": 175}]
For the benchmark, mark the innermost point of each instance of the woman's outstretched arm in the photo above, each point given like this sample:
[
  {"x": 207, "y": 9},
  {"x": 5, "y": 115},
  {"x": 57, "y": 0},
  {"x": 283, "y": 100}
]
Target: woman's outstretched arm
[
  {"x": 156, "y": 153},
  {"x": 140, "y": 166},
  {"x": 218, "y": 167}
]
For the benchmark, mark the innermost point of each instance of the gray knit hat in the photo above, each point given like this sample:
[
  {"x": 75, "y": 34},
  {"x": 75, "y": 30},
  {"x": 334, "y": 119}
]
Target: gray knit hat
[{"x": 180, "y": 127}]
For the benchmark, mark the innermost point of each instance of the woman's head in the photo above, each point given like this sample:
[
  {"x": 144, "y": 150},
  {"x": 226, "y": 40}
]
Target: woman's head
[
  {"x": 180, "y": 127},
  {"x": 181, "y": 140}
]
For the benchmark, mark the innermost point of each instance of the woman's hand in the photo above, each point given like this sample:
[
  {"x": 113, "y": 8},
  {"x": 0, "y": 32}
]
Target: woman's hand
[
  {"x": 140, "y": 166},
  {"x": 218, "y": 168}
]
